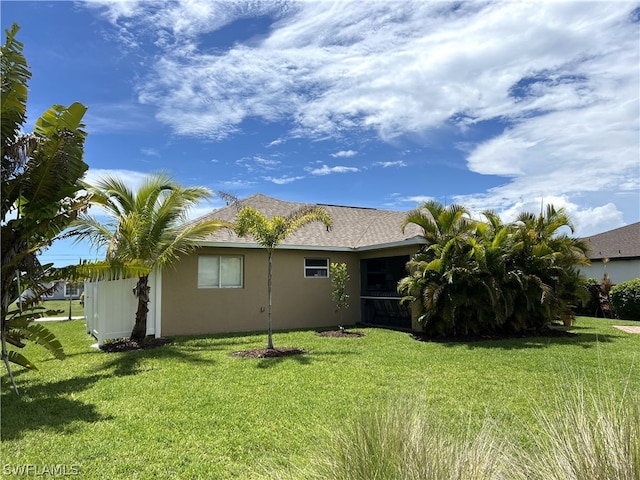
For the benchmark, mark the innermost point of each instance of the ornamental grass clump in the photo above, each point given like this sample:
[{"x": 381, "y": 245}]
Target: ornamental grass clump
[
  {"x": 590, "y": 434},
  {"x": 406, "y": 441}
]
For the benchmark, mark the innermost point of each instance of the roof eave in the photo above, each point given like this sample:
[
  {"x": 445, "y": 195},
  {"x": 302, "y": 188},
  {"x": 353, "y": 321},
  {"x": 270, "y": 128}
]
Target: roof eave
[
  {"x": 329, "y": 248},
  {"x": 401, "y": 243}
]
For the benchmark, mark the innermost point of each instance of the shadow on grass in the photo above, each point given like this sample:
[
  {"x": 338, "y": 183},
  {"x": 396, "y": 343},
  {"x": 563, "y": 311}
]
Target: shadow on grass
[
  {"x": 584, "y": 340},
  {"x": 304, "y": 359},
  {"x": 270, "y": 362},
  {"x": 131, "y": 363},
  {"x": 47, "y": 406}
]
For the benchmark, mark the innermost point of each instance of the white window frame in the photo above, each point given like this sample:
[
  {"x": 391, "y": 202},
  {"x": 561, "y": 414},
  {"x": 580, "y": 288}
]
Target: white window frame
[
  {"x": 324, "y": 268},
  {"x": 74, "y": 291},
  {"x": 203, "y": 285}
]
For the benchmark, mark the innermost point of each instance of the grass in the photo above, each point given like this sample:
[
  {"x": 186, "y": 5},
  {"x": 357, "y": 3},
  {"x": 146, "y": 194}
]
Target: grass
[
  {"x": 190, "y": 410},
  {"x": 77, "y": 310},
  {"x": 406, "y": 440}
]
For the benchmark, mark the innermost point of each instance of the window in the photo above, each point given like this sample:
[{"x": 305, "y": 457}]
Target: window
[
  {"x": 316, "y": 268},
  {"x": 71, "y": 289},
  {"x": 219, "y": 271}
]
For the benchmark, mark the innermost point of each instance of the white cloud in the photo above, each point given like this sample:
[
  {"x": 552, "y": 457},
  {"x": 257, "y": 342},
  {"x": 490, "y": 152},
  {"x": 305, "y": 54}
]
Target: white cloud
[
  {"x": 326, "y": 170},
  {"x": 562, "y": 77},
  {"x": 133, "y": 179},
  {"x": 275, "y": 143},
  {"x": 413, "y": 200},
  {"x": 257, "y": 162},
  {"x": 344, "y": 154},
  {"x": 149, "y": 152},
  {"x": 397, "y": 163},
  {"x": 282, "y": 180},
  {"x": 587, "y": 220}
]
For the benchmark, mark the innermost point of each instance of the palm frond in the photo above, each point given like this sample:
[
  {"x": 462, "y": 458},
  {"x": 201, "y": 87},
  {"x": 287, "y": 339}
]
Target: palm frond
[
  {"x": 19, "y": 359},
  {"x": 38, "y": 334}
]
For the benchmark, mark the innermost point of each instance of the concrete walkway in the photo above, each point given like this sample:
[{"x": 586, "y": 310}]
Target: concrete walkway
[
  {"x": 628, "y": 328},
  {"x": 57, "y": 319}
]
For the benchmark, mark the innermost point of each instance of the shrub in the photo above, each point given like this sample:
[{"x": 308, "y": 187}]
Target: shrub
[
  {"x": 591, "y": 306},
  {"x": 625, "y": 298}
]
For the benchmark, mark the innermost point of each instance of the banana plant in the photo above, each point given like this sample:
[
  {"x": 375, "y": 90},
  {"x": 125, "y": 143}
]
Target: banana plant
[{"x": 41, "y": 195}]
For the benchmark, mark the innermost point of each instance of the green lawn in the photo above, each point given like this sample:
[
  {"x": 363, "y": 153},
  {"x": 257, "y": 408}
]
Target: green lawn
[
  {"x": 77, "y": 310},
  {"x": 190, "y": 410}
]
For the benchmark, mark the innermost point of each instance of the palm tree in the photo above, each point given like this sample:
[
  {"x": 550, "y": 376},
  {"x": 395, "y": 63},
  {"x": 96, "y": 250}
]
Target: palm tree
[
  {"x": 146, "y": 230},
  {"x": 549, "y": 259},
  {"x": 439, "y": 223},
  {"x": 270, "y": 233},
  {"x": 440, "y": 271},
  {"x": 475, "y": 277}
]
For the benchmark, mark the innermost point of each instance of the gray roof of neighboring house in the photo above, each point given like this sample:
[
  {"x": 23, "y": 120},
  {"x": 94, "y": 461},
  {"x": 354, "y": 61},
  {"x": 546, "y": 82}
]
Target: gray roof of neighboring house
[
  {"x": 353, "y": 227},
  {"x": 620, "y": 243}
]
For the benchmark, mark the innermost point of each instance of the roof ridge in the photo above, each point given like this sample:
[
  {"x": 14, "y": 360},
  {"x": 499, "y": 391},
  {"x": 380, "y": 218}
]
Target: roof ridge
[{"x": 614, "y": 230}]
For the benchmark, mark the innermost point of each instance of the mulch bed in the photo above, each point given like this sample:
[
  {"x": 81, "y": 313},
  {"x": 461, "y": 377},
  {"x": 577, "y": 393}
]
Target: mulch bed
[
  {"x": 128, "y": 345},
  {"x": 269, "y": 352},
  {"x": 340, "y": 334}
]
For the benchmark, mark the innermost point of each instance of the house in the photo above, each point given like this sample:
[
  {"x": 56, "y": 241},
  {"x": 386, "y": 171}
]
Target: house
[
  {"x": 61, "y": 290},
  {"x": 65, "y": 290},
  {"x": 616, "y": 252},
  {"x": 222, "y": 286}
]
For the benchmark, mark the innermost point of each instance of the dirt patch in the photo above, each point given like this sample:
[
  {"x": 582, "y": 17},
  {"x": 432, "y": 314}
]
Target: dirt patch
[
  {"x": 128, "y": 345},
  {"x": 628, "y": 328},
  {"x": 269, "y": 352},
  {"x": 340, "y": 334}
]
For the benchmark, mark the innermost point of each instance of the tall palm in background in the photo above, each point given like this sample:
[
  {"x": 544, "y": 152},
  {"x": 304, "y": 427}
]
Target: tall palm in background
[
  {"x": 144, "y": 230},
  {"x": 269, "y": 233}
]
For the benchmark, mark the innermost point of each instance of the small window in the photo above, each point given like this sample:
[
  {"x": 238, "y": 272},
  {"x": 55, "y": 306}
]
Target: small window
[
  {"x": 316, "y": 267},
  {"x": 71, "y": 289},
  {"x": 219, "y": 271}
]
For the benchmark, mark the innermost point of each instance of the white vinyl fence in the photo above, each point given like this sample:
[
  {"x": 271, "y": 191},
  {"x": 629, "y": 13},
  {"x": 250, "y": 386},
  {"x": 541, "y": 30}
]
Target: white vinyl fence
[{"x": 110, "y": 307}]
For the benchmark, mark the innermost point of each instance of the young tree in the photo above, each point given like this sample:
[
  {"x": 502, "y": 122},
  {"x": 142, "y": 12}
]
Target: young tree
[
  {"x": 339, "y": 279},
  {"x": 145, "y": 229},
  {"x": 269, "y": 233},
  {"x": 41, "y": 182}
]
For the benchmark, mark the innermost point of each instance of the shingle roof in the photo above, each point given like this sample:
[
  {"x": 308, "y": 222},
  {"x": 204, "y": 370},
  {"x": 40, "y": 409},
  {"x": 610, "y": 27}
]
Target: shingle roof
[
  {"x": 353, "y": 227},
  {"x": 623, "y": 242}
]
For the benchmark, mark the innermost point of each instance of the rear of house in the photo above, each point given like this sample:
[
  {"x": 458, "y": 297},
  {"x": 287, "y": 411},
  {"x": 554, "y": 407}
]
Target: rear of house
[{"x": 223, "y": 286}]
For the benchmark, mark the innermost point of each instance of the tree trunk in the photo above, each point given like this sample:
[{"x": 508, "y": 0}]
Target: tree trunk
[
  {"x": 142, "y": 293},
  {"x": 269, "y": 335}
]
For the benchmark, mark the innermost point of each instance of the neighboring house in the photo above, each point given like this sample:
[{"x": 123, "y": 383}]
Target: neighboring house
[
  {"x": 222, "y": 287},
  {"x": 64, "y": 290},
  {"x": 616, "y": 252}
]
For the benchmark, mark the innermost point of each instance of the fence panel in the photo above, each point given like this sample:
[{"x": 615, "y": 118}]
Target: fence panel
[{"x": 110, "y": 308}]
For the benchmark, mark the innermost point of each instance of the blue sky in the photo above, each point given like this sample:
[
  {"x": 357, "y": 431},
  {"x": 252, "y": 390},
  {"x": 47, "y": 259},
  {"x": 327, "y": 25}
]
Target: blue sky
[{"x": 497, "y": 105}]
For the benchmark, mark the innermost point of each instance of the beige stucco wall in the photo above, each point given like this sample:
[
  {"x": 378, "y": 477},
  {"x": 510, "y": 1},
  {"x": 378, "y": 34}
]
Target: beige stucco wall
[{"x": 298, "y": 302}]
